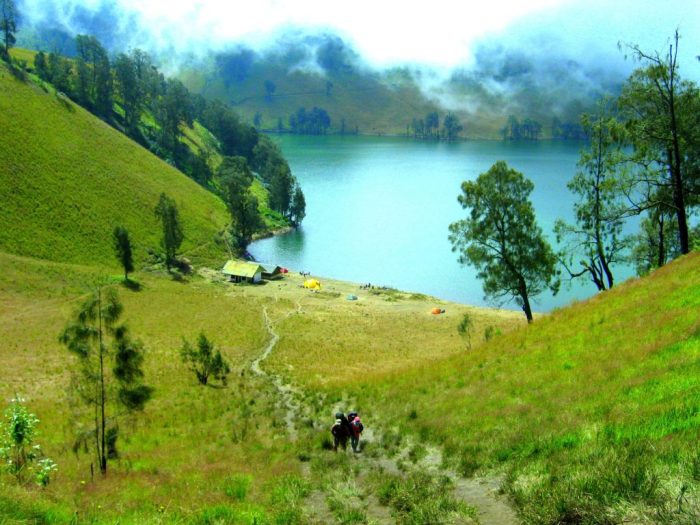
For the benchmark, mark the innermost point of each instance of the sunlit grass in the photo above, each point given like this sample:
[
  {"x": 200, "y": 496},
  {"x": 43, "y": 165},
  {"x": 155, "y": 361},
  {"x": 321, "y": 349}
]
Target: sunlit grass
[
  {"x": 336, "y": 343},
  {"x": 598, "y": 400},
  {"x": 67, "y": 179},
  {"x": 179, "y": 455},
  {"x": 592, "y": 380}
]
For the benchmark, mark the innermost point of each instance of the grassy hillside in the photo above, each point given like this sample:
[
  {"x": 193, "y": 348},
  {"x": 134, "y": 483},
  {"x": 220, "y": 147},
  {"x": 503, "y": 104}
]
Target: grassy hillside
[
  {"x": 380, "y": 101},
  {"x": 200, "y": 140},
  {"x": 179, "y": 456},
  {"x": 184, "y": 459},
  {"x": 71, "y": 179},
  {"x": 590, "y": 415},
  {"x": 592, "y": 411}
]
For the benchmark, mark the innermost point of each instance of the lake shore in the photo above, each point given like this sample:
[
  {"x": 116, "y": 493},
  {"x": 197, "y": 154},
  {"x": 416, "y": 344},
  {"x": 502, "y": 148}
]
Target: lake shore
[
  {"x": 378, "y": 210},
  {"x": 335, "y": 292},
  {"x": 272, "y": 233}
]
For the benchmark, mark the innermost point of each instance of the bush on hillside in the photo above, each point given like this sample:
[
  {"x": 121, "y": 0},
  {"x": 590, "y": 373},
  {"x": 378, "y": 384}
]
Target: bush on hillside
[{"x": 204, "y": 360}]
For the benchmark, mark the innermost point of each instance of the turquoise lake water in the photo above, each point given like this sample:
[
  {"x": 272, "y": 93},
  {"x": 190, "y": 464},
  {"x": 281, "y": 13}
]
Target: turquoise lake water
[{"x": 378, "y": 210}]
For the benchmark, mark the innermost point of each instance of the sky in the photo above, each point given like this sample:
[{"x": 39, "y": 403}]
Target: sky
[{"x": 436, "y": 33}]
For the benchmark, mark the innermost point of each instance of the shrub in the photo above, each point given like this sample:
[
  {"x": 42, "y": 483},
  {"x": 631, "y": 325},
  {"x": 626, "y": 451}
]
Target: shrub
[
  {"x": 17, "y": 449},
  {"x": 216, "y": 515},
  {"x": 417, "y": 452},
  {"x": 287, "y": 496},
  {"x": 45, "y": 467},
  {"x": 464, "y": 329},
  {"x": 695, "y": 466},
  {"x": 204, "y": 361}
]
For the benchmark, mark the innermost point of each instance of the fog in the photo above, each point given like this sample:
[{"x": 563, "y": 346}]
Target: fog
[{"x": 462, "y": 53}]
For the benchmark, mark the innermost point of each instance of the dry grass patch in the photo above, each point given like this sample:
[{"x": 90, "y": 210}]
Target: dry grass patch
[{"x": 177, "y": 454}]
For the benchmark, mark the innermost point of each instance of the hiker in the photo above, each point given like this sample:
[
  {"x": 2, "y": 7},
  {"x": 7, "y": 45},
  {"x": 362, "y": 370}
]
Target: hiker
[
  {"x": 341, "y": 431},
  {"x": 356, "y": 428}
]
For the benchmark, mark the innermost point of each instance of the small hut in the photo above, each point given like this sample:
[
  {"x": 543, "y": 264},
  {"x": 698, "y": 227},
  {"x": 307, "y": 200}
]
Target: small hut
[
  {"x": 271, "y": 272},
  {"x": 243, "y": 271}
]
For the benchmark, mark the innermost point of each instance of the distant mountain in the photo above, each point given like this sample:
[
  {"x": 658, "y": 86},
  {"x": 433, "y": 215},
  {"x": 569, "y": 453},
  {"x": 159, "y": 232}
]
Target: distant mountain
[
  {"x": 268, "y": 85},
  {"x": 306, "y": 71},
  {"x": 312, "y": 71}
]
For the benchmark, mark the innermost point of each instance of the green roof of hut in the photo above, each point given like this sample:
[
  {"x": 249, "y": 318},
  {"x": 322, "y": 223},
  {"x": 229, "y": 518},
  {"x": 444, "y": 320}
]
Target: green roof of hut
[{"x": 242, "y": 268}]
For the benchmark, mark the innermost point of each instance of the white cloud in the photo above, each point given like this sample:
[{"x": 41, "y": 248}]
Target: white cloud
[{"x": 439, "y": 32}]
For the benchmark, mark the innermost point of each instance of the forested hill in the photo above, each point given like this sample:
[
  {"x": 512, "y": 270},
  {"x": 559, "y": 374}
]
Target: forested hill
[
  {"x": 275, "y": 86},
  {"x": 68, "y": 179},
  {"x": 317, "y": 84},
  {"x": 204, "y": 140}
]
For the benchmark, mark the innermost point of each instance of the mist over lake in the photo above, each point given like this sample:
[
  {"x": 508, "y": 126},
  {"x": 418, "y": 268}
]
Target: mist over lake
[{"x": 378, "y": 209}]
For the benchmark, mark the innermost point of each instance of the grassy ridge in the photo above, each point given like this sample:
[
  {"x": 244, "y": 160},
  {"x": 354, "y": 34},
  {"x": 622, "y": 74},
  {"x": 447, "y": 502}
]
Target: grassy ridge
[
  {"x": 592, "y": 410},
  {"x": 71, "y": 178}
]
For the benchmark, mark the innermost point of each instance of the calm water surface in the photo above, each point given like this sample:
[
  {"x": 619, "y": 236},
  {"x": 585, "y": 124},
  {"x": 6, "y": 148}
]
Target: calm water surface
[{"x": 378, "y": 210}]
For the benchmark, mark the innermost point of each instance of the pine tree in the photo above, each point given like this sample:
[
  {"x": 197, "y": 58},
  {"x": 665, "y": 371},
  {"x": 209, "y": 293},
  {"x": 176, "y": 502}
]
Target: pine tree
[
  {"x": 166, "y": 211},
  {"x": 109, "y": 379},
  {"x": 122, "y": 248},
  {"x": 8, "y": 25},
  {"x": 298, "y": 208}
]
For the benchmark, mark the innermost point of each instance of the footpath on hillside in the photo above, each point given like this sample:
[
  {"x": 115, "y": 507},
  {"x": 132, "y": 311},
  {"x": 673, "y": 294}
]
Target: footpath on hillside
[{"x": 392, "y": 480}]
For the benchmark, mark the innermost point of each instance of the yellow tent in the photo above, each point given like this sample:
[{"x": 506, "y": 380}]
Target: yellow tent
[{"x": 312, "y": 284}]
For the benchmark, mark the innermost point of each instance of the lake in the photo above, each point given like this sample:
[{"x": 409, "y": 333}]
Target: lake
[{"x": 378, "y": 210}]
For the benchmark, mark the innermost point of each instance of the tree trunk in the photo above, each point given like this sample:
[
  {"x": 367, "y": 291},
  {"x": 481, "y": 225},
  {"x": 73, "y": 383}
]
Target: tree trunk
[
  {"x": 675, "y": 159},
  {"x": 661, "y": 256},
  {"x": 606, "y": 269},
  {"x": 679, "y": 204},
  {"x": 103, "y": 452},
  {"x": 526, "y": 301},
  {"x": 595, "y": 277}
]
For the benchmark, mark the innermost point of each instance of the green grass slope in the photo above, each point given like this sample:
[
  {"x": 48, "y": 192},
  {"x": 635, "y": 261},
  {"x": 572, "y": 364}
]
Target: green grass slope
[
  {"x": 196, "y": 455},
  {"x": 187, "y": 456},
  {"x": 592, "y": 414},
  {"x": 592, "y": 411},
  {"x": 67, "y": 179}
]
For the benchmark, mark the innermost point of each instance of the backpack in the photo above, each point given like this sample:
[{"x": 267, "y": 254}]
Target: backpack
[
  {"x": 359, "y": 427},
  {"x": 337, "y": 428}
]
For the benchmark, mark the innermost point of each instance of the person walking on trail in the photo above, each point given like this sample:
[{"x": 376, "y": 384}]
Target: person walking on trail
[
  {"x": 356, "y": 428},
  {"x": 341, "y": 431}
]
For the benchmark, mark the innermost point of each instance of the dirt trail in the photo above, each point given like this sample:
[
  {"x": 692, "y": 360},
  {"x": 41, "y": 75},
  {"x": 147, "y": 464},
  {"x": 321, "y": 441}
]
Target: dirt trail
[
  {"x": 480, "y": 493},
  {"x": 287, "y": 393}
]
